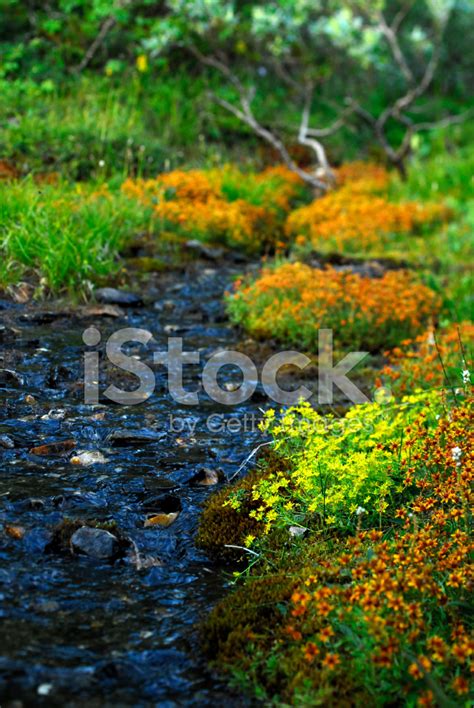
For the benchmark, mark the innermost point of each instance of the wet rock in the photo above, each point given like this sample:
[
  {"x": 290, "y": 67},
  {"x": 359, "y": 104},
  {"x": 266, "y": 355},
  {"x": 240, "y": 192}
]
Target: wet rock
[
  {"x": 161, "y": 519},
  {"x": 160, "y": 483},
  {"x": 36, "y": 504},
  {"x": 212, "y": 254},
  {"x": 139, "y": 561},
  {"x": 7, "y": 334},
  {"x": 16, "y": 532},
  {"x": 95, "y": 543},
  {"x": 36, "y": 540},
  {"x": 101, "y": 311},
  {"x": 30, "y": 400},
  {"x": 7, "y": 442},
  {"x": 162, "y": 511},
  {"x": 43, "y": 316},
  {"x": 57, "y": 375},
  {"x": 54, "y": 414},
  {"x": 171, "y": 329},
  {"x": 207, "y": 477},
  {"x": 133, "y": 438},
  {"x": 54, "y": 448},
  {"x": 112, "y": 296},
  {"x": 88, "y": 457},
  {"x": 9, "y": 376},
  {"x": 47, "y": 606}
]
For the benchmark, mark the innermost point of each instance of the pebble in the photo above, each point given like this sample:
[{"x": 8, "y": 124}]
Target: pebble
[
  {"x": 112, "y": 296},
  {"x": 95, "y": 543}
]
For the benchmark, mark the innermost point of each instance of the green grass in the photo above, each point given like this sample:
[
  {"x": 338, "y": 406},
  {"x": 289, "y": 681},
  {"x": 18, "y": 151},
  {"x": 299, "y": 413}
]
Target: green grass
[
  {"x": 449, "y": 250},
  {"x": 61, "y": 236}
]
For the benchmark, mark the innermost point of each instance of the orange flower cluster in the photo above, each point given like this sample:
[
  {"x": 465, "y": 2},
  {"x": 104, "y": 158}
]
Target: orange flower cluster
[
  {"x": 398, "y": 601},
  {"x": 352, "y": 219},
  {"x": 235, "y": 223},
  {"x": 292, "y": 301},
  {"x": 179, "y": 184},
  {"x": 431, "y": 360},
  {"x": 348, "y": 221},
  {"x": 221, "y": 205},
  {"x": 363, "y": 176}
]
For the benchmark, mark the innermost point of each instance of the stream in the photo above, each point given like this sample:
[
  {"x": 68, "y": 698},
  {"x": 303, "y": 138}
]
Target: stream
[{"x": 74, "y": 630}]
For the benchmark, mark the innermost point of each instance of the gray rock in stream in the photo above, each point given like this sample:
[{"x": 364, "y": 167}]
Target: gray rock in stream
[
  {"x": 95, "y": 543},
  {"x": 112, "y": 296}
]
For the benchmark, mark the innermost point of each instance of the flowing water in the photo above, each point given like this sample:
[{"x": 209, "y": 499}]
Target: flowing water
[{"x": 77, "y": 631}]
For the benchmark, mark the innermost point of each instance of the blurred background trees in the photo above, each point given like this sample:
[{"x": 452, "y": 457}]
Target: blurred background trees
[{"x": 313, "y": 79}]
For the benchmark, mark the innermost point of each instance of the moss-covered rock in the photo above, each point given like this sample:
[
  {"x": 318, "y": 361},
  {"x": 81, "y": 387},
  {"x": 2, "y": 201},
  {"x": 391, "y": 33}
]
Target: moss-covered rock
[{"x": 221, "y": 525}]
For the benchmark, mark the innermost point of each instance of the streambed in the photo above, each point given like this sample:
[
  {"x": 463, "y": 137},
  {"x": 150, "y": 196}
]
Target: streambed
[{"x": 81, "y": 631}]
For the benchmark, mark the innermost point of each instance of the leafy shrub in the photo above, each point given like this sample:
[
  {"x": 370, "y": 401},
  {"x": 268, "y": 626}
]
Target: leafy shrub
[
  {"x": 292, "y": 301},
  {"x": 382, "y": 610}
]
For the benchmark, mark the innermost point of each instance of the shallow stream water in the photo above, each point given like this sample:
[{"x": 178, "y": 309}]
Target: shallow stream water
[{"x": 73, "y": 630}]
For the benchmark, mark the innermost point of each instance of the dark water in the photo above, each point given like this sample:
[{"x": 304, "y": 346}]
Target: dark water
[{"x": 76, "y": 631}]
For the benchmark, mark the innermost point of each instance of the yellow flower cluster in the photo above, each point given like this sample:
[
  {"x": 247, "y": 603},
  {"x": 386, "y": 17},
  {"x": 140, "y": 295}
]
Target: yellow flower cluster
[{"x": 339, "y": 467}]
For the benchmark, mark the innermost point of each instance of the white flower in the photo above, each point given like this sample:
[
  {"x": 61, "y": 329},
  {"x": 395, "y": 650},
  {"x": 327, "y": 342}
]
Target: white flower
[
  {"x": 360, "y": 510},
  {"x": 466, "y": 376},
  {"x": 101, "y": 163},
  {"x": 456, "y": 454}
]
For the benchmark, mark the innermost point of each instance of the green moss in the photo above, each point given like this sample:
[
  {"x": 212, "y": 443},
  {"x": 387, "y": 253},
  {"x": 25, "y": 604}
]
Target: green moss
[
  {"x": 222, "y": 525},
  {"x": 62, "y": 533},
  {"x": 246, "y": 634}
]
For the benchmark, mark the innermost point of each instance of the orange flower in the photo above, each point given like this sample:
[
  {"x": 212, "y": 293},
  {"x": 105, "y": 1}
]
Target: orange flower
[
  {"x": 331, "y": 661},
  {"x": 460, "y": 685},
  {"x": 311, "y": 650}
]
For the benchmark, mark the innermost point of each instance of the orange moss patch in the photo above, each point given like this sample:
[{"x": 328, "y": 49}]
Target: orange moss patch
[
  {"x": 357, "y": 216},
  {"x": 293, "y": 301},
  {"x": 221, "y": 205}
]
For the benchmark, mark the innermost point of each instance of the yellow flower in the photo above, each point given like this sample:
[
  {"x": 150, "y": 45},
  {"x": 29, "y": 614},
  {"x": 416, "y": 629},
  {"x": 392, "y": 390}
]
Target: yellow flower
[{"x": 142, "y": 63}]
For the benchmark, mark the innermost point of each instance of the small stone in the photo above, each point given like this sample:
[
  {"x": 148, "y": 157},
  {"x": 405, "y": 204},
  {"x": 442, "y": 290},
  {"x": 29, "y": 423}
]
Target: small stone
[
  {"x": 133, "y": 438},
  {"x": 36, "y": 504},
  {"x": 112, "y": 296},
  {"x": 163, "y": 520},
  {"x": 88, "y": 457},
  {"x": 30, "y": 400},
  {"x": 297, "y": 531},
  {"x": 212, "y": 254},
  {"x": 6, "y": 442},
  {"x": 16, "y": 532},
  {"x": 44, "y": 689},
  {"x": 95, "y": 543},
  {"x": 9, "y": 376},
  {"x": 102, "y": 311},
  {"x": 54, "y": 448},
  {"x": 207, "y": 477}
]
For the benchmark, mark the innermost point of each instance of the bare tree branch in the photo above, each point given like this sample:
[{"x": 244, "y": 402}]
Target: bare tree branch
[
  {"x": 311, "y": 142},
  {"x": 392, "y": 38},
  {"x": 245, "y": 114},
  {"x": 104, "y": 30}
]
